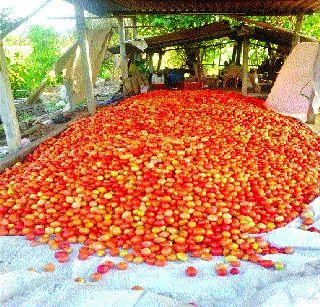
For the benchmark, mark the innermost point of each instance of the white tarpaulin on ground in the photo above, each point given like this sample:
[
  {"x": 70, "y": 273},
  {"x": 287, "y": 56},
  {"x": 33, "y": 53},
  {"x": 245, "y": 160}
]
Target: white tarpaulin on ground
[
  {"x": 297, "y": 285},
  {"x": 297, "y": 87}
]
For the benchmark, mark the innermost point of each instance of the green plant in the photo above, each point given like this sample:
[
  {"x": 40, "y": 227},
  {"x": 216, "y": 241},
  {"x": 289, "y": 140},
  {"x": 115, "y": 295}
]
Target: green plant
[
  {"x": 46, "y": 49},
  {"x": 17, "y": 72},
  {"x": 106, "y": 69}
]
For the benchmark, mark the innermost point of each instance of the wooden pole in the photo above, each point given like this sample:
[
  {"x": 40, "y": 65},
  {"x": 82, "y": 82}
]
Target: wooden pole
[
  {"x": 297, "y": 31},
  {"x": 122, "y": 43},
  {"x": 219, "y": 62},
  {"x": 239, "y": 49},
  {"x": 245, "y": 62},
  {"x": 85, "y": 58},
  {"x": 150, "y": 61},
  {"x": 234, "y": 52},
  {"x": 69, "y": 89},
  {"x": 159, "y": 61},
  {"x": 134, "y": 26},
  {"x": 7, "y": 108},
  {"x": 126, "y": 25}
]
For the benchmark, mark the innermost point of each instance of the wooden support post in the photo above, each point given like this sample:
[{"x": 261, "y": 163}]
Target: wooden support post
[
  {"x": 159, "y": 61},
  {"x": 85, "y": 58},
  {"x": 297, "y": 31},
  {"x": 70, "y": 97},
  {"x": 150, "y": 61},
  {"x": 7, "y": 108},
  {"x": 234, "y": 52},
  {"x": 126, "y": 24},
  {"x": 239, "y": 49},
  {"x": 219, "y": 62},
  {"x": 245, "y": 62},
  {"x": 135, "y": 29},
  {"x": 122, "y": 43}
]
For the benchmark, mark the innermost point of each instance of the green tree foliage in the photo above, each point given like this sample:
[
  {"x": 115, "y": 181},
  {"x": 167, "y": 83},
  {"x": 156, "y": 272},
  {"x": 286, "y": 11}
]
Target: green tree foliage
[
  {"x": 17, "y": 71},
  {"x": 27, "y": 72},
  {"x": 163, "y": 24},
  {"x": 46, "y": 49}
]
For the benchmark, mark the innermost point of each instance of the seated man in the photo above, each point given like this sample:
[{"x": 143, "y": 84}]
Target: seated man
[{"x": 233, "y": 75}]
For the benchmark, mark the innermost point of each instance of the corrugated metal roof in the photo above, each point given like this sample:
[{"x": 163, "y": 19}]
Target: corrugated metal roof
[{"x": 242, "y": 7}]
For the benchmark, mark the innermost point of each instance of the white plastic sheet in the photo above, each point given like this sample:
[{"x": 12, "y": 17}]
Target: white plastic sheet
[
  {"x": 297, "y": 285},
  {"x": 297, "y": 85}
]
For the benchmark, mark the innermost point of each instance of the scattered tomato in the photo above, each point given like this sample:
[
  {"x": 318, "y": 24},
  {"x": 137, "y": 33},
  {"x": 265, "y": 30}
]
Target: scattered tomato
[{"x": 191, "y": 271}]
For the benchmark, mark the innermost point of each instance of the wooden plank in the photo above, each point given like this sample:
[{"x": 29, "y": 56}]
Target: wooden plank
[
  {"x": 7, "y": 108},
  {"x": 122, "y": 44},
  {"x": 85, "y": 58},
  {"x": 275, "y": 30},
  {"x": 245, "y": 62}
]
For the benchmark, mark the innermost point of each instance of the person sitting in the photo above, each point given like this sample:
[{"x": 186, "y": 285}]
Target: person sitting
[
  {"x": 233, "y": 76},
  {"x": 253, "y": 81}
]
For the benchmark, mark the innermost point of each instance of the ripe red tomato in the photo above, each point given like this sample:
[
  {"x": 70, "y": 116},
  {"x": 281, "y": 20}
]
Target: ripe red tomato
[
  {"x": 164, "y": 175},
  {"x": 191, "y": 271}
]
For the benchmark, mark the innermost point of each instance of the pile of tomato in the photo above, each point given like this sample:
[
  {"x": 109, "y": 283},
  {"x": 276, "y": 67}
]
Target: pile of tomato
[{"x": 164, "y": 176}]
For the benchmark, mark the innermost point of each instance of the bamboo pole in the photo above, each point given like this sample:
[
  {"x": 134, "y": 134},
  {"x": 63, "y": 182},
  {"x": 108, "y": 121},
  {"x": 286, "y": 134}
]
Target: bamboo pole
[
  {"x": 122, "y": 44},
  {"x": 85, "y": 58},
  {"x": 245, "y": 62},
  {"x": 7, "y": 108}
]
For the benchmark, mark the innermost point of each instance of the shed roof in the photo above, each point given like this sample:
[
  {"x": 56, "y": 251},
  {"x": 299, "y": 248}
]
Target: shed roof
[
  {"x": 260, "y": 31},
  {"x": 241, "y": 7}
]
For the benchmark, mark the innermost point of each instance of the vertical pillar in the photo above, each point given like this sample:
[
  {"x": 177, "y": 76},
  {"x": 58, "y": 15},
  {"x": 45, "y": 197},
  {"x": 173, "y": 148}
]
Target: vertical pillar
[
  {"x": 7, "y": 108},
  {"x": 159, "y": 61},
  {"x": 127, "y": 24},
  {"x": 234, "y": 52},
  {"x": 69, "y": 89},
  {"x": 135, "y": 29},
  {"x": 297, "y": 30},
  {"x": 219, "y": 62},
  {"x": 122, "y": 44},
  {"x": 239, "y": 49},
  {"x": 245, "y": 62},
  {"x": 85, "y": 58},
  {"x": 150, "y": 61}
]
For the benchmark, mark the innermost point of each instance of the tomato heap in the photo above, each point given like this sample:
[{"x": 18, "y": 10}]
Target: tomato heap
[{"x": 163, "y": 176}]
